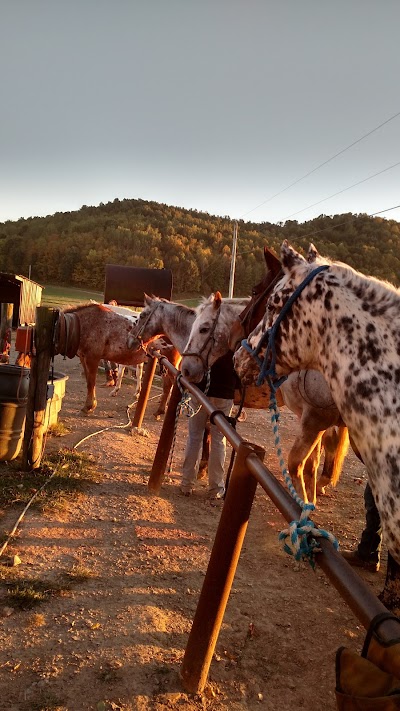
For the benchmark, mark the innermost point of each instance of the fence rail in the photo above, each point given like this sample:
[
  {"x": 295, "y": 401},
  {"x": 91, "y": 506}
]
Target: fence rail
[{"x": 247, "y": 472}]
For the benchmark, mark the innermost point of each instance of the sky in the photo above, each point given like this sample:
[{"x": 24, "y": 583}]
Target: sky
[{"x": 214, "y": 105}]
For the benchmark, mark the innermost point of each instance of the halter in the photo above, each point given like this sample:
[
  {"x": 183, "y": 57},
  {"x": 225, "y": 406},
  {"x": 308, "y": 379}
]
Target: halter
[
  {"x": 140, "y": 330},
  {"x": 268, "y": 363},
  {"x": 206, "y": 342}
]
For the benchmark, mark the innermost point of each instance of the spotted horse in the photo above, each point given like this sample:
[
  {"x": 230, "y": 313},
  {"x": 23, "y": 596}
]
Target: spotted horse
[{"x": 347, "y": 326}]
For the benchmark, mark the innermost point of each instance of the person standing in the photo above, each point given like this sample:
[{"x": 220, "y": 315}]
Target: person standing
[{"x": 223, "y": 381}]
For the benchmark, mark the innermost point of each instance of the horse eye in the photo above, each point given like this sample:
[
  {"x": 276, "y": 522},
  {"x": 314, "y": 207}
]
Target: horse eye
[{"x": 204, "y": 329}]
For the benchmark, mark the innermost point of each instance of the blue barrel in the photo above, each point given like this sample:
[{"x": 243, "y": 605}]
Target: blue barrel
[{"x": 14, "y": 384}]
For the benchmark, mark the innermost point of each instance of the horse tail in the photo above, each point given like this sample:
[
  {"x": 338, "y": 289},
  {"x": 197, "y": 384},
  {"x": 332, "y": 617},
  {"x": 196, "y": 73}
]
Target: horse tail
[{"x": 336, "y": 442}]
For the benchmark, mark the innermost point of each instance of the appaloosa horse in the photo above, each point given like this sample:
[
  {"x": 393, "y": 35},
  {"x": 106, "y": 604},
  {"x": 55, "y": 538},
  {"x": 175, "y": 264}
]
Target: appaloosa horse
[
  {"x": 305, "y": 393},
  {"x": 347, "y": 326},
  {"x": 94, "y": 332}
]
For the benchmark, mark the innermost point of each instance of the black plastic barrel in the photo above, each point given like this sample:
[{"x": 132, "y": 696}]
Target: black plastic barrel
[{"x": 14, "y": 384}]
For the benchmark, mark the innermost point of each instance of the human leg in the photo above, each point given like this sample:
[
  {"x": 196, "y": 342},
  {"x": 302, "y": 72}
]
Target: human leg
[
  {"x": 216, "y": 465},
  {"x": 367, "y": 553},
  {"x": 191, "y": 460},
  {"x": 371, "y": 538}
]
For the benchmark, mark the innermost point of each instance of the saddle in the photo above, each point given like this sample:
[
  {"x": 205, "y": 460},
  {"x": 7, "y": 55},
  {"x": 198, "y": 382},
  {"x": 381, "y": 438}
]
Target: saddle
[{"x": 370, "y": 681}]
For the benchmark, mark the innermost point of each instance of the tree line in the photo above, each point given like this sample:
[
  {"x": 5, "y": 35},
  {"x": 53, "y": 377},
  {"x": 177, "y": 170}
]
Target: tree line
[{"x": 72, "y": 248}]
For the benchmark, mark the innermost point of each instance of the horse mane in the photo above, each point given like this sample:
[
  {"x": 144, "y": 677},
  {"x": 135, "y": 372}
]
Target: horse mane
[
  {"x": 86, "y": 305},
  {"x": 243, "y": 301}
]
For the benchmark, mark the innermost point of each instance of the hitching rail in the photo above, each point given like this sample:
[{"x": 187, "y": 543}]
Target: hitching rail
[{"x": 247, "y": 472}]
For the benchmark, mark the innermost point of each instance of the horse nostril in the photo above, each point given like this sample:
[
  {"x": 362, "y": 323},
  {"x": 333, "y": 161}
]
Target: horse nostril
[{"x": 185, "y": 372}]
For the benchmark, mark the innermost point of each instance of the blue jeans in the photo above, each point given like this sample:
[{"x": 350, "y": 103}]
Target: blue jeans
[
  {"x": 371, "y": 538},
  {"x": 216, "y": 472}
]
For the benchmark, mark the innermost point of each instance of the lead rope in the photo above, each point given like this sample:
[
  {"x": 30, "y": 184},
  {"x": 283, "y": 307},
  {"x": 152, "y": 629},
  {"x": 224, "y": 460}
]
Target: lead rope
[
  {"x": 300, "y": 539},
  {"x": 184, "y": 405}
]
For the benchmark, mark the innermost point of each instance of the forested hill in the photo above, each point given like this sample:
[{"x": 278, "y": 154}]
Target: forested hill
[{"x": 72, "y": 248}]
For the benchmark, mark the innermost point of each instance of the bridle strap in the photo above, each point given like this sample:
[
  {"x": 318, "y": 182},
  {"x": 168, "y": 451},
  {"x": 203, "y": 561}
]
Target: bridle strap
[
  {"x": 140, "y": 330},
  {"x": 205, "y": 344}
]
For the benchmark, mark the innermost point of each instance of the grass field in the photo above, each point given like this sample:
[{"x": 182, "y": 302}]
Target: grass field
[{"x": 64, "y": 296}]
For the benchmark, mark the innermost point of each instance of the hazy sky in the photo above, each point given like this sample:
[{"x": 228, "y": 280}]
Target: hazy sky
[{"x": 209, "y": 104}]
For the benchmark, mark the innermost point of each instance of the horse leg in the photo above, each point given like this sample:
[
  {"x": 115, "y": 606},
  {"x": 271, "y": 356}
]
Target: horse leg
[
  {"x": 118, "y": 382},
  {"x": 205, "y": 454},
  {"x": 90, "y": 367},
  {"x": 302, "y": 448},
  {"x": 335, "y": 442},
  {"x": 139, "y": 376},
  {"x": 310, "y": 471},
  {"x": 390, "y": 595}
]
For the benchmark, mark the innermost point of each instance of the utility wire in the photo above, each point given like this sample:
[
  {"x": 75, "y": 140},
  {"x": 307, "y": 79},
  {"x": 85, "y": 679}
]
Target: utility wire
[
  {"x": 303, "y": 177},
  {"x": 333, "y": 227},
  {"x": 390, "y": 167}
]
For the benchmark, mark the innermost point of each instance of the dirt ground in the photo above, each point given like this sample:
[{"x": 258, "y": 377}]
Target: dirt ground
[{"x": 116, "y": 641}]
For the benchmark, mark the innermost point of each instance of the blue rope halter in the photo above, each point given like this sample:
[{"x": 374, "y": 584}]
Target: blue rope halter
[
  {"x": 268, "y": 363},
  {"x": 299, "y": 540}
]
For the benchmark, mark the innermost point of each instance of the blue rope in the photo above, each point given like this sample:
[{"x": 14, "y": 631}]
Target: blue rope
[
  {"x": 299, "y": 540},
  {"x": 268, "y": 363}
]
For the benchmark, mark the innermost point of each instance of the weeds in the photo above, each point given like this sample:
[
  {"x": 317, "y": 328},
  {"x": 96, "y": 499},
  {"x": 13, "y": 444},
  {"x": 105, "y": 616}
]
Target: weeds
[
  {"x": 74, "y": 471},
  {"x": 58, "y": 429}
]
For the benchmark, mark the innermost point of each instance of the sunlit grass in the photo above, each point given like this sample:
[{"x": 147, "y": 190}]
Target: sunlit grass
[{"x": 73, "y": 472}]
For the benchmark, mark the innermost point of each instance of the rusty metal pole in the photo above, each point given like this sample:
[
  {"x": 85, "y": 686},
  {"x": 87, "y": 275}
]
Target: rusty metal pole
[
  {"x": 5, "y": 326},
  {"x": 147, "y": 382},
  {"x": 37, "y": 394},
  {"x": 220, "y": 572},
  {"x": 164, "y": 444}
]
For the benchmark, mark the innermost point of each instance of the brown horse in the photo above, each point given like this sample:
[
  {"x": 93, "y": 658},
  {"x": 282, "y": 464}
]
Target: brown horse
[{"x": 94, "y": 333}]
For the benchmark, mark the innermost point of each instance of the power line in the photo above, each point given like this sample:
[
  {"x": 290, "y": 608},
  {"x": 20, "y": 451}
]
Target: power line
[
  {"x": 341, "y": 224},
  {"x": 322, "y": 164},
  {"x": 390, "y": 167},
  {"x": 333, "y": 227}
]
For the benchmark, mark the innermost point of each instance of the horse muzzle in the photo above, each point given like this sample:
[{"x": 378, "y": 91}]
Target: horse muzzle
[
  {"x": 192, "y": 368},
  {"x": 246, "y": 367}
]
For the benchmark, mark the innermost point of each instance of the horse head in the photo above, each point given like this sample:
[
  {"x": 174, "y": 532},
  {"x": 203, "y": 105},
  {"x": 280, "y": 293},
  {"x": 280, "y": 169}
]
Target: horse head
[
  {"x": 148, "y": 326},
  {"x": 254, "y": 311}
]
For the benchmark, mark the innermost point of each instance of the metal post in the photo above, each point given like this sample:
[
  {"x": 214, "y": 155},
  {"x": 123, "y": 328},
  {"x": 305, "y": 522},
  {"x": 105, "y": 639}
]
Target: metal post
[
  {"x": 5, "y": 326},
  {"x": 220, "y": 572},
  {"x": 233, "y": 260},
  {"x": 164, "y": 444},
  {"x": 37, "y": 394},
  {"x": 144, "y": 392}
]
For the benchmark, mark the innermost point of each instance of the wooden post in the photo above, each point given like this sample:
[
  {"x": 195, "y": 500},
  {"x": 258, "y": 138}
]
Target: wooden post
[
  {"x": 220, "y": 572},
  {"x": 37, "y": 393},
  {"x": 164, "y": 443},
  {"x": 144, "y": 392},
  {"x": 5, "y": 325}
]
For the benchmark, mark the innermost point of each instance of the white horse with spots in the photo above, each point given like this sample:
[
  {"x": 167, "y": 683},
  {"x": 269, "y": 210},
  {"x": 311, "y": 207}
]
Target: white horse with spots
[{"x": 347, "y": 326}]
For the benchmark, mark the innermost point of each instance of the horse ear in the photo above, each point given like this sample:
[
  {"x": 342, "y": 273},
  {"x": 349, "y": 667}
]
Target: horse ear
[
  {"x": 290, "y": 258},
  {"x": 217, "y": 299},
  {"x": 147, "y": 300},
  {"x": 312, "y": 254},
  {"x": 272, "y": 262}
]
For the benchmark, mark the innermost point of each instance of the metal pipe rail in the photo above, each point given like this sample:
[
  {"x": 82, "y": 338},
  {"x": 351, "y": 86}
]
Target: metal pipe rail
[{"x": 248, "y": 471}]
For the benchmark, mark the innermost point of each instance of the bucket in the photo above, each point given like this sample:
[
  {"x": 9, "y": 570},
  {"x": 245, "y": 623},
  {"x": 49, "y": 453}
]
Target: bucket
[
  {"x": 14, "y": 384},
  {"x": 55, "y": 398}
]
